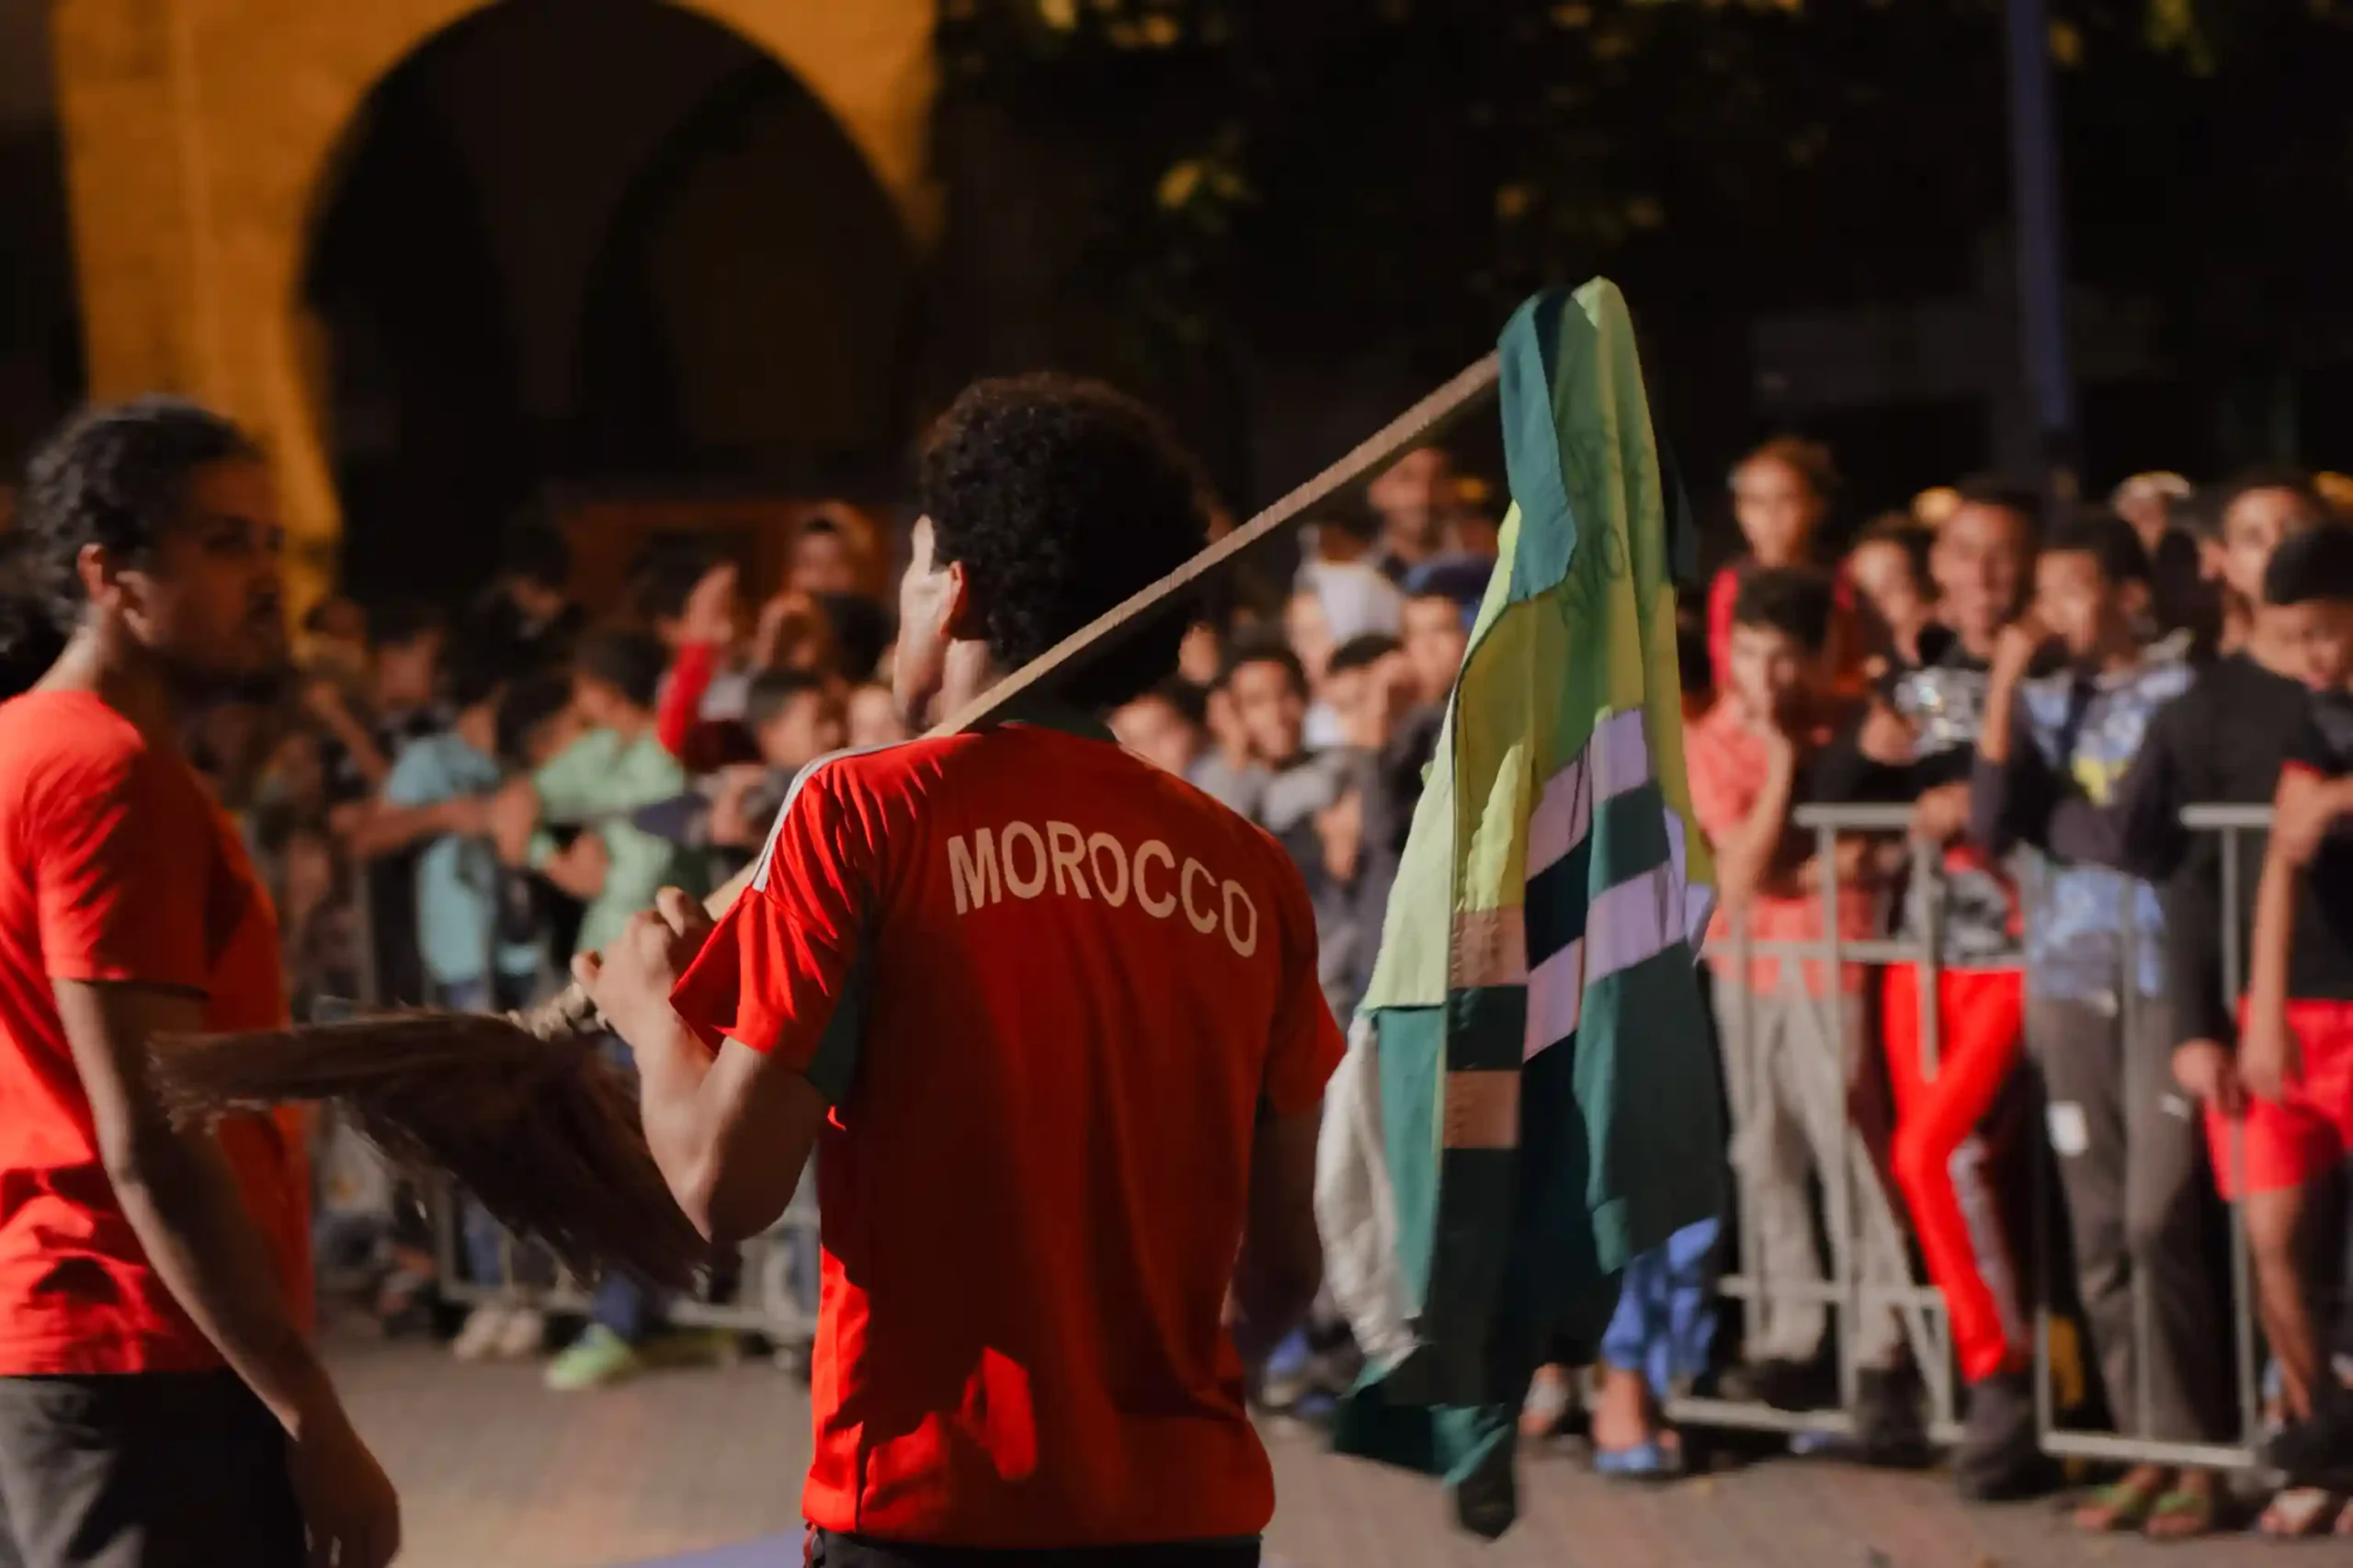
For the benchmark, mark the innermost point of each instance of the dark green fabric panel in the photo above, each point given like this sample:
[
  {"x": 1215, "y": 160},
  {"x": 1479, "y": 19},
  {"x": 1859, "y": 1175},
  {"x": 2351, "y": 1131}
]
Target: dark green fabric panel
[
  {"x": 1653, "y": 1109},
  {"x": 1628, "y": 838},
  {"x": 1476, "y": 1218},
  {"x": 1486, "y": 1028},
  {"x": 1471, "y": 1446}
]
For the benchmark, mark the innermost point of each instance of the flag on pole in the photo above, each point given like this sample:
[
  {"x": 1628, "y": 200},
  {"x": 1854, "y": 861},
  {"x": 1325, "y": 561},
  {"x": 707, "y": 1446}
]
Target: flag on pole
[{"x": 1531, "y": 1095}]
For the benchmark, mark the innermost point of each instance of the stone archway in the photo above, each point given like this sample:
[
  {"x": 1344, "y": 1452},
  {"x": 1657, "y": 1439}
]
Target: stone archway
[{"x": 199, "y": 132}]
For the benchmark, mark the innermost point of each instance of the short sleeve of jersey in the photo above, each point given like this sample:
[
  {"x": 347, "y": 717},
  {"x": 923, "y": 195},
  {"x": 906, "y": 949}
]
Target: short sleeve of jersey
[
  {"x": 1306, "y": 1045},
  {"x": 2323, "y": 743},
  {"x": 121, "y": 849},
  {"x": 1719, "y": 802},
  {"x": 781, "y": 973},
  {"x": 418, "y": 778}
]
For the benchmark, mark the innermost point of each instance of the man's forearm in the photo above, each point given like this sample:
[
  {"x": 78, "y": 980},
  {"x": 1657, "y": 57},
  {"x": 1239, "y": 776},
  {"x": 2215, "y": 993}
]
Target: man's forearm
[
  {"x": 2274, "y": 936},
  {"x": 184, "y": 1206},
  {"x": 1746, "y": 856},
  {"x": 388, "y": 829},
  {"x": 671, "y": 1068}
]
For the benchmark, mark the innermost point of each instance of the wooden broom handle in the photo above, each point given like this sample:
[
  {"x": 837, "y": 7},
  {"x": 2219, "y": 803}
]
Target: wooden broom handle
[{"x": 573, "y": 1013}]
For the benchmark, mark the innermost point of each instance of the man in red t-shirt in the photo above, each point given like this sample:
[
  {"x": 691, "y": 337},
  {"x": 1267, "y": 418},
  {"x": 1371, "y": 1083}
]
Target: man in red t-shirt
[
  {"x": 160, "y": 1404},
  {"x": 1049, "y": 1017}
]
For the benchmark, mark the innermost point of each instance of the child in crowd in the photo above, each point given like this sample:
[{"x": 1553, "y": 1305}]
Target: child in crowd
[
  {"x": 616, "y": 766},
  {"x": 1437, "y": 633},
  {"x": 1961, "y": 1175},
  {"x": 1257, "y": 715},
  {"x": 2296, "y": 1057},
  {"x": 1896, "y": 611},
  {"x": 693, "y": 605},
  {"x": 825, "y": 558},
  {"x": 2130, "y": 1164},
  {"x": 1166, "y": 726},
  {"x": 526, "y": 616},
  {"x": 1787, "y": 1031},
  {"x": 1411, "y": 499},
  {"x": 2182, "y": 597},
  {"x": 1780, "y": 493},
  {"x": 1336, "y": 603},
  {"x": 1286, "y": 783},
  {"x": 2240, "y": 524},
  {"x": 796, "y": 719},
  {"x": 437, "y": 802},
  {"x": 1364, "y": 682}
]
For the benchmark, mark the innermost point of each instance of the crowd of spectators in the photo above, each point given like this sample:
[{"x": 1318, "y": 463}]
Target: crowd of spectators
[{"x": 459, "y": 798}]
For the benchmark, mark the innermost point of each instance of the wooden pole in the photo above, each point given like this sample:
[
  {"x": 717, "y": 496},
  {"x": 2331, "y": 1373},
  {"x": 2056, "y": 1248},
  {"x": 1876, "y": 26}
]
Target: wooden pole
[{"x": 572, "y": 1012}]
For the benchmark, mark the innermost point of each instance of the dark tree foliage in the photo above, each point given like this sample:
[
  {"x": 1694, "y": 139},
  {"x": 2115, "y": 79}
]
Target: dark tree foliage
[{"x": 1308, "y": 175}]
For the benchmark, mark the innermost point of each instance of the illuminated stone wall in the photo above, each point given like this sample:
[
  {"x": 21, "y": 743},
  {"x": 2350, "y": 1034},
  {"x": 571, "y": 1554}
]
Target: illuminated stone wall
[{"x": 201, "y": 138}]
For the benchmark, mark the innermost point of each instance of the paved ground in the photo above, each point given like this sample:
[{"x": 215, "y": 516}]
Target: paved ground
[{"x": 498, "y": 1474}]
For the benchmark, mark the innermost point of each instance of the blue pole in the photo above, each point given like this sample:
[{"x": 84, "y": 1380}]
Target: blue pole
[{"x": 2042, "y": 261}]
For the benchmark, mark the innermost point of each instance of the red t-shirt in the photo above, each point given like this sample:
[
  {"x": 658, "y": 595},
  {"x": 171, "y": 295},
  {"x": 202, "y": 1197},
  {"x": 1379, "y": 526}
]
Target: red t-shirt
[
  {"x": 1046, "y": 988},
  {"x": 118, "y": 867}
]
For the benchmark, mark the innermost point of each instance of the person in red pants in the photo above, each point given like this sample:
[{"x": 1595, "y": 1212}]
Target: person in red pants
[{"x": 1915, "y": 742}]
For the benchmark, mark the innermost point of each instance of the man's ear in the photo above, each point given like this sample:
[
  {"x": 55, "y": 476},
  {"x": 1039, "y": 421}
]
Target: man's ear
[
  {"x": 962, "y": 620},
  {"x": 103, "y": 579},
  {"x": 2134, "y": 599}
]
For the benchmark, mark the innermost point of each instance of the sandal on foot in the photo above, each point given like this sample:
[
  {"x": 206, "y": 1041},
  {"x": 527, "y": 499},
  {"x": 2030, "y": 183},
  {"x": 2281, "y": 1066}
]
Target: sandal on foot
[
  {"x": 1650, "y": 1460},
  {"x": 2118, "y": 1505},
  {"x": 2181, "y": 1515}
]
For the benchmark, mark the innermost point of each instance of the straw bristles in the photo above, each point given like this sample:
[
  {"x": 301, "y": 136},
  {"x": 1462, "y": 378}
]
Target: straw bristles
[{"x": 542, "y": 1131}]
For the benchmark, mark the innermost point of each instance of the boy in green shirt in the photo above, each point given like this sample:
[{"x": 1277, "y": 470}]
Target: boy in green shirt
[{"x": 615, "y": 766}]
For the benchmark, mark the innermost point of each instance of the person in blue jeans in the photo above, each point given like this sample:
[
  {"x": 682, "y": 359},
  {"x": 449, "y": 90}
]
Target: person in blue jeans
[
  {"x": 1658, "y": 1340},
  {"x": 438, "y": 797}
]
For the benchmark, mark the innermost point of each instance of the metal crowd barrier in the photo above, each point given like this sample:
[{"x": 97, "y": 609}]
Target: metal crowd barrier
[
  {"x": 775, "y": 1283},
  {"x": 1857, "y": 1201},
  {"x": 1856, "y": 1195},
  {"x": 775, "y": 1291}
]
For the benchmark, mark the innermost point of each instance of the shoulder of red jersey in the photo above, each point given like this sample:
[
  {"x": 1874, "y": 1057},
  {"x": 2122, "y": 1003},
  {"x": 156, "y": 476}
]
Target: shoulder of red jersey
[{"x": 876, "y": 768}]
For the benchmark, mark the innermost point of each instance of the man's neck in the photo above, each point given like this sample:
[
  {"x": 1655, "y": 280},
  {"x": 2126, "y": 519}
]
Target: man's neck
[
  {"x": 968, "y": 672},
  {"x": 124, "y": 675},
  {"x": 631, "y": 724},
  {"x": 1978, "y": 643}
]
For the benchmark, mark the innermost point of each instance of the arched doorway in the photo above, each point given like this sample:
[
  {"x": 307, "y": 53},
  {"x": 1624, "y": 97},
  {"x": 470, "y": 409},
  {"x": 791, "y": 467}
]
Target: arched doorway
[{"x": 582, "y": 243}]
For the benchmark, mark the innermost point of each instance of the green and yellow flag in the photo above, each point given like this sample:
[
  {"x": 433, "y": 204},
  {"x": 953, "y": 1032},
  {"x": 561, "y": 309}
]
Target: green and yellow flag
[{"x": 1532, "y": 1097}]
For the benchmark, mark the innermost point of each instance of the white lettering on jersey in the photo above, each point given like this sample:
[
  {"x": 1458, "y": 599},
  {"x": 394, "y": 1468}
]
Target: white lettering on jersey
[
  {"x": 973, "y": 870},
  {"x": 1069, "y": 849},
  {"x": 984, "y": 866},
  {"x": 1020, "y": 886}
]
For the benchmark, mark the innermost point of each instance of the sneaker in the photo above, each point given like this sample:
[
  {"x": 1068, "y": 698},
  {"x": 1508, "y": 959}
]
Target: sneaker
[
  {"x": 1795, "y": 1386},
  {"x": 1889, "y": 1431},
  {"x": 598, "y": 1358},
  {"x": 1998, "y": 1460},
  {"x": 2318, "y": 1450},
  {"x": 522, "y": 1336},
  {"x": 484, "y": 1330},
  {"x": 692, "y": 1347}
]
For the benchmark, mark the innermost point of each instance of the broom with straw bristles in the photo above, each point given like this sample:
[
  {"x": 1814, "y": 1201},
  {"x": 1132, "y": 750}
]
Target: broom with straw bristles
[{"x": 525, "y": 1111}]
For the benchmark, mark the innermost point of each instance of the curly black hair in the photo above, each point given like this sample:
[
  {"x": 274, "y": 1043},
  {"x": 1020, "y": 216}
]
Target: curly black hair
[
  {"x": 631, "y": 662},
  {"x": 2313, "y": 566},
  {"x": 1060, "y": 497},
  {"x": 114, "y": 475}
]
